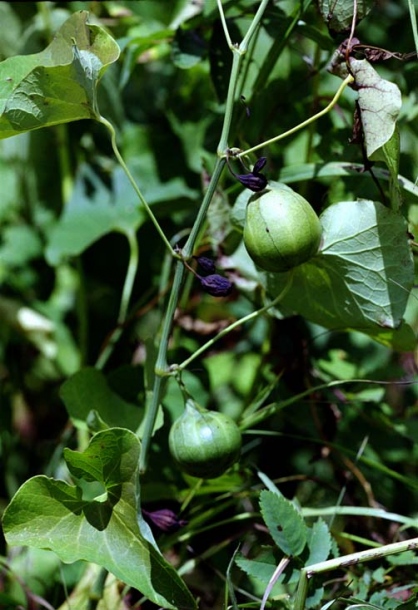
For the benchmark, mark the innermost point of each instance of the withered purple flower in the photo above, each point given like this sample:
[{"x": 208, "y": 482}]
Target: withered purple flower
[
  {"x": 216, "y": 285},
  {"x": 165, "y": 519},
  {"x": 254, "y": 180},
  {"x": 259, "y": 164},
  {"x": 206, "y": 264}
]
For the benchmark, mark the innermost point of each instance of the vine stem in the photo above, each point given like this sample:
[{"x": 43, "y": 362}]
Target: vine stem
[
  {"x": 161, "y": 367},
  {"x": 348, "y": 79},
  {"x": 413, "y": 17},
  {"x": 125, "y": 168},
  {"x": 346, "y": 561},
  {"x": 228, "y": 329}
]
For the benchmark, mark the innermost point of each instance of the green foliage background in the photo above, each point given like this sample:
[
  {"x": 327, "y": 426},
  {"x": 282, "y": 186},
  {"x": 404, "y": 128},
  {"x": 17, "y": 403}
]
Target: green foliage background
[{"x": 329, "y": 416}]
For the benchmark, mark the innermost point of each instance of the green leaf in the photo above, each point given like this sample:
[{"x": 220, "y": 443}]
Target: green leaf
[
  {"x": 319, "y": 543},
  {"x": 285, "y": 523},
  {"x": 188, "y": 48},
  {"x": 390, "y": 154},
  {"x": 51, "y": 514},
  {"x": 88, "y": 216},
  {"x": 88, "y": 391},
  {"x": 261, "y": 568},
  {"x": 380, "y": 103},
  {"x": 363, "y": 275},
  {"x": 59, "y": 84}
]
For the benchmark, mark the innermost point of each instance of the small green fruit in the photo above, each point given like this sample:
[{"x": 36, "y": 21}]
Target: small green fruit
[
  {"x": 204, "y": 443},
  {"x": 281, "y": 229}
]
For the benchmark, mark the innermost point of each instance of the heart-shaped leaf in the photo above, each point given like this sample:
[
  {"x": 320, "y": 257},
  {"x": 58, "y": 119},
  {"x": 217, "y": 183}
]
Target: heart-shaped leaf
[
  {"x": 361, "y": 279},
  {"x": 59, "y": 84},
  {"x": 97, "y": 519}
]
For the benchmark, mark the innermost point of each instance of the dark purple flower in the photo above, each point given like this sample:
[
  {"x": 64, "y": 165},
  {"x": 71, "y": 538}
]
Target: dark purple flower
[
  {"x": 165, "y": 519},
  {"x": 206, "y": 264},
  {"x": 259, "y": 164},
  {"x": 254, "y": 182},
  {"x": 216, "y": 285}
]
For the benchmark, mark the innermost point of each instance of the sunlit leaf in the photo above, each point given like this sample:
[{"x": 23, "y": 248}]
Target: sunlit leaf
[
  {"x": 59, "y": 84},
  {"x": 51, "y": 514}
]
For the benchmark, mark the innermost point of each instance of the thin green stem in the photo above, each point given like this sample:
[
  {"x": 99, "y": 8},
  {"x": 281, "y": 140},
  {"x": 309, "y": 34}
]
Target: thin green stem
[
  {"x": 346, "y": 561},
  {"x": 231, "y": 327},
  {"x": 224, "y": 24},
  {"x": 349, "y": 79},
  {"x": 230, "y": 101},
  {"x": 125, "y": 299},
  {"x": 413, "y": 18},
  {"x": 161, "y": 366},
  {"x": 125, "y": 168},
  {"x": 254, "y": 25},
  {"x": 272, "y": 409}
]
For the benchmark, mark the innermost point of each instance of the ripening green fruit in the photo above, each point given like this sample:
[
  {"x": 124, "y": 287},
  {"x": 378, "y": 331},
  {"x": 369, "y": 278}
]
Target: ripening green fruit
[
  {"x": 204, "y": 443},
  {"x": 281, "y": 229}
]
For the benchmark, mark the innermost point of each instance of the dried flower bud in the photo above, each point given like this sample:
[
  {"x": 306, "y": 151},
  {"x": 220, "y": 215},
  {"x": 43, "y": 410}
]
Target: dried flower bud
[
  {"x": 216, "y": 285},
  {"x": 259, "y": 164},
  {"x": 254, "y": 182},
  {"x": 165, "y": 519},
  {"x": 206, "y": 264}
]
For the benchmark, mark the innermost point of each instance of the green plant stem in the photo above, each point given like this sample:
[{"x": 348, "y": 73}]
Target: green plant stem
[
  {"x": 231, "y": 327},
  {"x": 96, "y": 593},
  {"x": 224, "y": 24},
  {"x": 125, "y": 299},
  {"x": 125, "y": 168},
  {"x": 349, "y": 79},
  {"x": 346, "y": 561},
  {"x": 238, "y": 52},
  {"x": 413, "y": 18},
  {"x": 161, "y": 368},
  {"x": 269, "y": 410}
]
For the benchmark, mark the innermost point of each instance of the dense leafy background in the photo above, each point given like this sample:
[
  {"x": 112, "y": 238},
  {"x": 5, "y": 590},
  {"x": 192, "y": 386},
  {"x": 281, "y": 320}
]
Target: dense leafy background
[{"x": 67, "y": 213}]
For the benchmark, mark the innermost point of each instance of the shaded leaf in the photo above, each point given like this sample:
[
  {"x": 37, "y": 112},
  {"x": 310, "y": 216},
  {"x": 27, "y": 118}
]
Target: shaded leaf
[
  {"x": 88, "y": 391},
  {"x": 284, "y": 522},
  {"x": 262, "y": 567},
  {"x": 339, "y": 14},
  {"x": 89, "y": 215},
  {"x": 188, "y": 48},
  {"x": 51, "y": 514},
  {"x": 319, "y": 542}
]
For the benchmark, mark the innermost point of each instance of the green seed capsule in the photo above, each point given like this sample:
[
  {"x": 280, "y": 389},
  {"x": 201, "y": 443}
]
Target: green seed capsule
[
  {"x": 204, "y": 443},
  {"x": 281, "y": 229}
]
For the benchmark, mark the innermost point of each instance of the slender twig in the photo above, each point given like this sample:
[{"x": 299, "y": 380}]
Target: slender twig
[
  {"x": 349, "y": 79},
  {"x": 141, "y": 198},
  {"x": 231, "y": 327},
  {"x": 346, "y": 561},
  {"x": 413, "y": 17}
]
